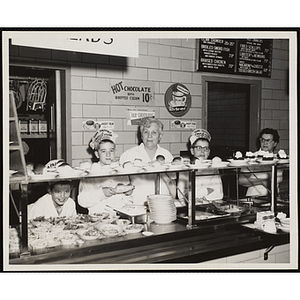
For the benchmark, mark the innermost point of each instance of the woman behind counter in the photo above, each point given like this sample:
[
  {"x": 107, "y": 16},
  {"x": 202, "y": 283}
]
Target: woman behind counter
[
  {"x": 209, "y": 187},
  {"x": 258, "y": 184},
  {"x": 151, "y": 130},
  {"x": 96, "y": 193}
]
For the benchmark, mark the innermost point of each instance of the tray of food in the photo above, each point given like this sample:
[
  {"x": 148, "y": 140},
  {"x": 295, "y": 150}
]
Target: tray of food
[{"x": 131, "y": 210}]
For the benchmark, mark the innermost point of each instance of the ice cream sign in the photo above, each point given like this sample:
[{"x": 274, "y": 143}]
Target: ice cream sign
[
  {"x": 132, "y": 92},
  {"x": 178, "y": 100}
]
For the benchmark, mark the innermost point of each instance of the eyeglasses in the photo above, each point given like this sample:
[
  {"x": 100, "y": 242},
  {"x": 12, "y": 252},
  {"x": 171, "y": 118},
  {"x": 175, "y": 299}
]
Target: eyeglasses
[
  {"x": 199, "y": 148},
  {"x": 262, "y": 140},
  {"x": 267, "y": 217}
]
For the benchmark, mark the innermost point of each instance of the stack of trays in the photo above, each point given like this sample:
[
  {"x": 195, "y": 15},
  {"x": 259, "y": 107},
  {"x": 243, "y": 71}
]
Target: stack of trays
[{"x": 162, "y": 209}]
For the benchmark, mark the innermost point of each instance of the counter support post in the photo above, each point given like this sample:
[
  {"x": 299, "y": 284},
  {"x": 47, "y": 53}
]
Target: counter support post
[
  {"x": 192, "y": 199},
  {"x": 274, "y": 189},
  {"x": 237, "y": 185},
  {"x": 24, "y": 219},
  {"x": 157, "y": 184}
]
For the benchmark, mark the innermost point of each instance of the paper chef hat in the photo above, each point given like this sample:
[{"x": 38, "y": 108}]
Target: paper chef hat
[
  {"x": 199, "y": 133},
  {"x": 103, "y": 134}
]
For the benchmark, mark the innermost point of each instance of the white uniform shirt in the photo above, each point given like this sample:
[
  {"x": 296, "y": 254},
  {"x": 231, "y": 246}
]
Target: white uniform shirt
[
  {"x": 209, "y": 186},
  {"x": 45, "y": 207},
  {"x": 91, "y": 195},
  {"x": 145, "y": 183}
]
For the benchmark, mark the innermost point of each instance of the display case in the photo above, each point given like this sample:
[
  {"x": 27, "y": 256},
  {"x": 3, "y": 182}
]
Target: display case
[{"x": 186, "y": 215}]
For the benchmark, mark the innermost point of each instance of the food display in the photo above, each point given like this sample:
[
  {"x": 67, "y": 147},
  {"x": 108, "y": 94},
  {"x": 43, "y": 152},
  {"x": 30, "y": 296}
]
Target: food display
[
  {"x": 238, "y": 155},
  {"x": 134, "y": 228},
  {"x": 270, "y": 223},
  {"x": 268, "y": 156},
  {"x": 90, "y": 233},
  {"x": 65, "y": 170},
  {"x": 110, "y": 230},
  {"x": 45, "y": 233},
  {"x": 281, "y": 154},
  {"x": 250, "y": 155},
  {"x": 217, "y": 162},
  {"x": 14, "y": 242}
]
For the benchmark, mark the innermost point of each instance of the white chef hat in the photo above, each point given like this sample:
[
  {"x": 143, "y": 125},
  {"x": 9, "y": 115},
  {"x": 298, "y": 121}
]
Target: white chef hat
[
  {"x": 103, "y": 134},
  {"x": 199, "y": 134}
]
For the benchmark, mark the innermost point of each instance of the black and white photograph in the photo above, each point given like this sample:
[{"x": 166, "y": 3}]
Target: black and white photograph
[{"x": 150, "y": 150}]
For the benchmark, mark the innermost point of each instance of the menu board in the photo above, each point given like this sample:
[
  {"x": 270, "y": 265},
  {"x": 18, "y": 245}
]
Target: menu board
[{"x": 236, "y": 56}]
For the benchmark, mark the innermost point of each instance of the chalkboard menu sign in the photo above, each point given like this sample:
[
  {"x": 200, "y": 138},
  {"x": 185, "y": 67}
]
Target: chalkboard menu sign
[{"x": 236, "y": 56}]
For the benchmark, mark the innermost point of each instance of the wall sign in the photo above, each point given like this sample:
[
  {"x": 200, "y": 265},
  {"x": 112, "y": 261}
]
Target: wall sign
[
  {"x": 183, "y": 124},
  {"x": 98, "y": 42},
  {"x": 132, "y": 92},
  {"x": 135, "y": 115},
  {"x": 177, "y": 100},
  {"x": 236, "y": 56},
  {"x": 93, "y": 125}
]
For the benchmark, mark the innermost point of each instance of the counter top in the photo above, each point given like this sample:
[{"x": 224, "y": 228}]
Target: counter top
[{"x": 170, "y": 243}]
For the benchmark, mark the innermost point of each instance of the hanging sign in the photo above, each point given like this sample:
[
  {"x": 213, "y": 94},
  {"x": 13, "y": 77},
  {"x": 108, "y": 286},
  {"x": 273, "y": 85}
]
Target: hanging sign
[
  {"x": 97, "y": 42},
  {"x": 132, "y": 92},
  {"x": 183, "y": 124},
  {"x": 135, "y": 116},
  {"x": 178, "y": 100}
]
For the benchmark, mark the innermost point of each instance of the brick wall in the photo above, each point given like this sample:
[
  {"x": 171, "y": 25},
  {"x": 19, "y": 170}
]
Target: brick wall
[{"x": 163, "y": 61}]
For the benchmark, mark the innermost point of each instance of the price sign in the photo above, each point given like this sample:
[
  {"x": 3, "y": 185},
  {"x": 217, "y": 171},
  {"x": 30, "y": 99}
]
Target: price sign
[
  {"x": 236, "y": 56},
  {"x": 132, "y": 92}
]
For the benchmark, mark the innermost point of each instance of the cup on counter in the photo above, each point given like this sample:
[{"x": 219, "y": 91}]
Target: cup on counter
[{"x": 269, "y": 226}]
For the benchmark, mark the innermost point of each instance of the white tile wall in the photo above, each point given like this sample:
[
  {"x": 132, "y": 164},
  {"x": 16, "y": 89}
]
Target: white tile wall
[{"x": 165, "y": 62}]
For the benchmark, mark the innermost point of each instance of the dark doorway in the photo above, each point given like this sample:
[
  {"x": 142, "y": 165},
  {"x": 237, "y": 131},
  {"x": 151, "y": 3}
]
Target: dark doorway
[
  {"x": 231, "y": 113},
  {"x": 228, "y": 107}
]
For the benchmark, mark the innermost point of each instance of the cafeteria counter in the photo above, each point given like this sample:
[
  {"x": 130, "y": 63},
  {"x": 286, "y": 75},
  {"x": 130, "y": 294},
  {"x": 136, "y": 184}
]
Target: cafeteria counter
[{"x": 170, "y": 243}]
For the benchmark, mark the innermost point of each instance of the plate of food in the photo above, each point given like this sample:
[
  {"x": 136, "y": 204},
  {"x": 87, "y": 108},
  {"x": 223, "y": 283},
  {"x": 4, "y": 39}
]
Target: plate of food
[
  {"x": 122, "y": 223},
  {"x": 132, "y": 210},
  {"x": 237, "y": 162},
  {"x": 267, "y": 162},
  {"x": 121, "y": 188},
  {"x": 283, "y": 161},
  {"x": 89, "y": 234},
  {"x": 134, "y": 228},
  {"x": 110, "y": 230},
  {"x": 46, "y": 175},
  {"x": 129, "y": 169},
  {"x": 221, "y": 164}
]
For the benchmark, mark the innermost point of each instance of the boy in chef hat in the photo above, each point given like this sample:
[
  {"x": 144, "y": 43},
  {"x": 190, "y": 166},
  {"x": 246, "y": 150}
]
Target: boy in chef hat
[
  {"x": 100, "y": 135},
  {"x": 199, "y": 134},
  {"x": 96, "y": 193},
  {"x": 208, "y": 187},
  {"x": 199, "y": 144}
]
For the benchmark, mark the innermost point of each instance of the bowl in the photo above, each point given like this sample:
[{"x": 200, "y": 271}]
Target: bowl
[
  {"x": 122, "y": 223},
  {"x": 89, "y": 234},
  {"x": 110, "y": 230},
  {"x": 134, "y": 228}
]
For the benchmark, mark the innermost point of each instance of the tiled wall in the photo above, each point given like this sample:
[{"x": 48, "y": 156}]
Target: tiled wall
[{"x": 163, "y": 61}]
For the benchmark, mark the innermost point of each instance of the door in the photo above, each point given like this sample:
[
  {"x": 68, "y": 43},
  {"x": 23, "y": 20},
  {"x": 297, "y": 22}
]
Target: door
[{"x": 231, "y": 113}]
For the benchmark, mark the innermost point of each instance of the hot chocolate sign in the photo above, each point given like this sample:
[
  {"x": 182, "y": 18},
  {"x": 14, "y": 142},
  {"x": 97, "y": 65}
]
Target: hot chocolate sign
[{"x": 178, "y": 100}]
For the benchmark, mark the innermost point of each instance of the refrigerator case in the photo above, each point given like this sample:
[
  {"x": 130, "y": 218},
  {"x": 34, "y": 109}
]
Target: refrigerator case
[{"x": 36, "y": 99}]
